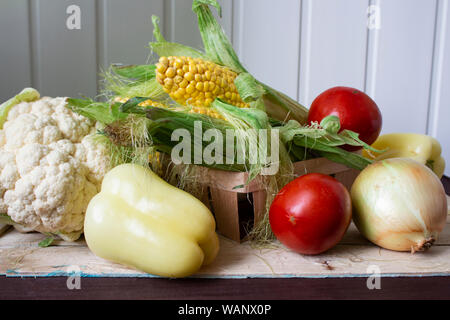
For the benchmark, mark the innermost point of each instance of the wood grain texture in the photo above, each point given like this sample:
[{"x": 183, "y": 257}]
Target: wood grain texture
[
  {"x": 424, "y": 288},
  {"x": 20, "y": 256},
  {"x": 225, "y": 207},
  {"x": 3, "y": 228},
  {"x": 64, "y": 61}
]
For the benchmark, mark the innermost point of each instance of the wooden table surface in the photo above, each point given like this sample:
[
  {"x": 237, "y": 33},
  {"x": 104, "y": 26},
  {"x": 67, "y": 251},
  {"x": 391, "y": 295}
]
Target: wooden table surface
[{"x": 240, "y": 272}]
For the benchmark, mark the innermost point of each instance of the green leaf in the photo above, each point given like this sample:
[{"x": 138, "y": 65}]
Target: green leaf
[
  {"x": 46, "y": 242},
  {"x": 217, "y": 45},
  {"x": 333, "y": 153},
  {"x": 355, "y": 137},
  {"x": 332, "y": 124},
  {"x": 132, "y": 106},
  {"x": 98, "y": 111},
  {"x": 324, "y": 143},
  {"x": 248, "y": 87},
  {"x": 164, "y": 48},
  {"x": 281, "y": 107},
  {"x": 156, "y": 31},
  {"x": 26, "y": 95},
  {"x": 254, "y": 118},
  {"x": 214, "y": 3},
  {"x": 117, "y": 113},
  {"x": 135, "y": 72}
]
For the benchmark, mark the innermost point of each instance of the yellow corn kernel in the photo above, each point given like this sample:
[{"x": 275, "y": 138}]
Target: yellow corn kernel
[
  {"x": 164, "y": 61},
  {"x": 203, "y": 81},
  {"x": 189, "y": 76},
  {"x": 168, "y": 82},
  {"x": 161, "y": 68},
  {"x": 184, "y": 83},
  {"x": 199, "y": 86},
  {"x": 190, "y": 88},
  {"x": 207, "y": 111},
  {"x": 170, "y": 72}
]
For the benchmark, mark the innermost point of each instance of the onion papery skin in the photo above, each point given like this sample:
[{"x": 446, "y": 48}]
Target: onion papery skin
[{"x": 399, "y": 204}]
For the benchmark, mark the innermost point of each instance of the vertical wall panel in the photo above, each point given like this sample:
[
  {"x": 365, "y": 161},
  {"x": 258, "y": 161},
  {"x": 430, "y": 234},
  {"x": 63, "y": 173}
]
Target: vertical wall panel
[
  {"x": 15, "y": 68},
  {"x": 439, "y": 119},
  {"x": 64, "y": 61},
  {"x": 125, "y": 29},
  {"x": 267, "y": 41},
  {"x": 333, "y": 48},
  {"x": 402, "y": 61},
  {"x": 181, "y": 23}
]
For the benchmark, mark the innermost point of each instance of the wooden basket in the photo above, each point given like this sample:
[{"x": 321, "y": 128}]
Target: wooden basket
[{"x": 238, "y": 209}]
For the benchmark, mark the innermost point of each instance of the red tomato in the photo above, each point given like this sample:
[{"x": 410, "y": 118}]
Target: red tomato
[
  {"x": 311, "y": 214},
  {"x": 355, "y": 109}
]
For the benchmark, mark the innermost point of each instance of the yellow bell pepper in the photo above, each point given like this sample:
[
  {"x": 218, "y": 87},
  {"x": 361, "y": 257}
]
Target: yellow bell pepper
[
  {"x": 141, "y": 221},
  {"x": 422, "y": 148}
]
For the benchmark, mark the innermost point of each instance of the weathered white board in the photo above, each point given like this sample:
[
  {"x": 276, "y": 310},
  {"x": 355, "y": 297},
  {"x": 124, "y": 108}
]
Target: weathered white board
[
  {"x": 352, "y": 257},
  {"x": 3, "y": 228}
]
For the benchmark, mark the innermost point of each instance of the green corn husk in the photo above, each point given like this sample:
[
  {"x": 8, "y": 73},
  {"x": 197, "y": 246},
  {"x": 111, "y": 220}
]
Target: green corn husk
[
  {"x": 219, "y": 49},
  {"x": 163, "y": 48},
  {"x": 243, "y": 122},
  {"x": 217, "y": 45},
  {"x": 98, "y": 111},
  {"x": 324, "y": 141},
  {"x": 138, "y": 73},
  {"x": 270, "y": 110},
  {"x": 127, "y": 82}
]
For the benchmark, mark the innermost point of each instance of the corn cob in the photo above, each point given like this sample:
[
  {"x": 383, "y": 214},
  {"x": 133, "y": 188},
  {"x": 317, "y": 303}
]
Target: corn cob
[{"x": 197, "y": 82}]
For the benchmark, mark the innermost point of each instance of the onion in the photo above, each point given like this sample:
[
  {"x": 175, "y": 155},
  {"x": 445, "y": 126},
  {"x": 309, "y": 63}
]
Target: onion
[{"x": 399, "y": 204}]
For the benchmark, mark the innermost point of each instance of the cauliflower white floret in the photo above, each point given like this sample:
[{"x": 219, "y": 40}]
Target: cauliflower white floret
[{"x": 50, "y": 167}]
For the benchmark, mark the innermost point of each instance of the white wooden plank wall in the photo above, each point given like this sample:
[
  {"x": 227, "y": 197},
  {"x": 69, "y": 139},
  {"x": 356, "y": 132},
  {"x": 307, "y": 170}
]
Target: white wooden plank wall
[
  {"x": 300, "y": 47},
  {"x": 267, "y": 40},
  {"x": 15, "y": 55},
  {"x": 439, "y": 112},
  {"x": 334, "y": 44},
  {"x": 403, "y": 62},
  {"x": 63, "y": 61}
]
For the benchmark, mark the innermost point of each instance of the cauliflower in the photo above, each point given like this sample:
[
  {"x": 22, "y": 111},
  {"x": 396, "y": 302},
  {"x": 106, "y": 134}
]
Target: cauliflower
[{"x": 50, "y": 167}]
